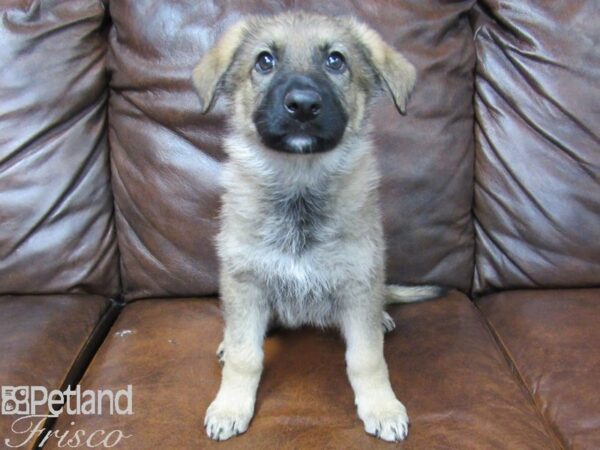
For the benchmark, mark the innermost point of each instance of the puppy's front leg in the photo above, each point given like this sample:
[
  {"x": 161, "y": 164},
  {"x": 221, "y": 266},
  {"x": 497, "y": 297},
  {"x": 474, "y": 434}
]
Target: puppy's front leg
[
  {"x": 246, "y": 318},
  {"x": 379, "y": 409}
]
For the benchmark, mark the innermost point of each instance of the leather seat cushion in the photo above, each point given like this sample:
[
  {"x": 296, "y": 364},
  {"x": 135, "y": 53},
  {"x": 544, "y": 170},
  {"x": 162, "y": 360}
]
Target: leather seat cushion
[
  {"x": 552, "y": 339},
  {"x": 41, "y": 338},
  {"x": 444, "y": 366}
]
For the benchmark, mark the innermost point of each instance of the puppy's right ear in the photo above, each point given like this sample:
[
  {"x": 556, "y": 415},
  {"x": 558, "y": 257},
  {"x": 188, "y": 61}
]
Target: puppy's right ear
[{"x": 213, "y": 66}]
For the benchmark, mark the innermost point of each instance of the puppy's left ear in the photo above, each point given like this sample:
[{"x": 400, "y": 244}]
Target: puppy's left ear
[
  {"x": 397, "y": 75},
  {"x": 213, "y": 66}
]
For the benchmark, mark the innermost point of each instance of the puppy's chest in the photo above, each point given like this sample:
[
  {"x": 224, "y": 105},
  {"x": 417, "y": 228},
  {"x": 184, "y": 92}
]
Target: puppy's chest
[
  {"x": 296, "y": 236},
  {"x": 295, "y": 222}
]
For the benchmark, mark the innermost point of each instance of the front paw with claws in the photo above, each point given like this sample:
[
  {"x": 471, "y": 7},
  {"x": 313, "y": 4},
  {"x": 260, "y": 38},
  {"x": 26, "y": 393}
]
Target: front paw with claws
[
  {"x": 225, "y": 419},
  {"x": 387, "y": 420}
]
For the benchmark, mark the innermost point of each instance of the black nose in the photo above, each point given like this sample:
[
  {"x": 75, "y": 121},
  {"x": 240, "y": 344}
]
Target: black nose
[{"x": 304, "y": 104}]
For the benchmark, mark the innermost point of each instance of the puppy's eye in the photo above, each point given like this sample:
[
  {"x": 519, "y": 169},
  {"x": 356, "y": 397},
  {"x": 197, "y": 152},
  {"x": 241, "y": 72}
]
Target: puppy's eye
[
  {"x": 335, "y": 61},
  {"x": 265, "y": 62}
]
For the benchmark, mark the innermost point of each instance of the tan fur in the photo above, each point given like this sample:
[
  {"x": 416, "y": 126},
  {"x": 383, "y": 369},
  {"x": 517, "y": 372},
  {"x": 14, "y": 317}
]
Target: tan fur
[
  {"x": 332, "y": 272},
  {"x": 215, "y": 63},
  {"x": 397, "y": 73}
]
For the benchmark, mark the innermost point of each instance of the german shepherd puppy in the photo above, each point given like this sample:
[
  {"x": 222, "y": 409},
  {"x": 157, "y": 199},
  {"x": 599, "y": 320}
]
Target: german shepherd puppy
[{"x": 301, "y": 239}]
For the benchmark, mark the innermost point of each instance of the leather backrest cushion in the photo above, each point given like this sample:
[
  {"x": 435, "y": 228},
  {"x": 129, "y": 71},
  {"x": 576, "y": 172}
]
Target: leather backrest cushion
[
  {"x": 56, "y": 208},
  {"x": 537, "y": 191},
  {"x": 166, "y": 157}
]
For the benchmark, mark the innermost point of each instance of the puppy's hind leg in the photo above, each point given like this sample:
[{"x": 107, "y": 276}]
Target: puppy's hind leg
[
  {"x": 246, "y": 319},
  {"x": 379, "y": 409},
  {"x": 387, "y": 322},
  {"x": 221, "y": 353}
]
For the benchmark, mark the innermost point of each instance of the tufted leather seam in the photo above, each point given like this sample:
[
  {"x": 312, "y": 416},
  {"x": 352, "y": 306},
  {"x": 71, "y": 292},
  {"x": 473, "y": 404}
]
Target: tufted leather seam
[
  {"x": 85, "y": 355},
  {"x": 551, "y": 429}
]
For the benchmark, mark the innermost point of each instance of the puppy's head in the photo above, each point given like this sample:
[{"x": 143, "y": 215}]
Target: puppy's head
[{"x": 301, "y": 82}]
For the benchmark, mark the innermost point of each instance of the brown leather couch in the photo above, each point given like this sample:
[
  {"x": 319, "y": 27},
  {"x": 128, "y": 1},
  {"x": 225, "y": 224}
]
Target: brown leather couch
[{"x": 109, "y": 192}]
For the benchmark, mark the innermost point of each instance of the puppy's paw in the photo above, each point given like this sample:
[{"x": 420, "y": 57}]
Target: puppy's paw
[
  {"x": 387, "y": 323},
  {"x": 221, "y": 353},
  {"x": 386, "y": 420},
  {"x": 225, "y": 419}
]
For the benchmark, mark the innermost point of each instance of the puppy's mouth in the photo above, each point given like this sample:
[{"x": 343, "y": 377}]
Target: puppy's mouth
[
  {"x": 297, "y": 143},
  {"x": 300, "y": 143},
  {"x": 300, "y": 115},
  {"x": 298, "y": 140}
]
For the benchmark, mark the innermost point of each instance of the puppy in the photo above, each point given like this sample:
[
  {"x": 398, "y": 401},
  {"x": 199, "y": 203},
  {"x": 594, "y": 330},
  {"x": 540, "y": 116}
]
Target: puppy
[{"x": 301, "y": 239}]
